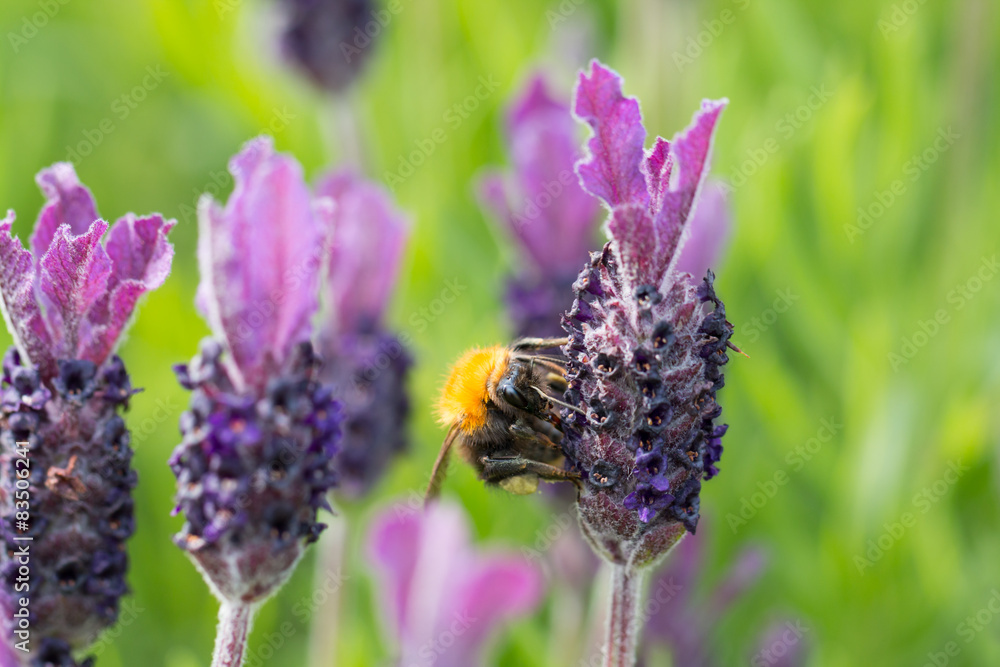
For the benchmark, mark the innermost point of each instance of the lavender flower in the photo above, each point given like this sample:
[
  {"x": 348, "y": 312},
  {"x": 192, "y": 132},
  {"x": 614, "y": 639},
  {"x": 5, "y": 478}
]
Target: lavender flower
[
  {"x": 644, "y": 351},
  {"x": 782, "y": 645},
  {"x": 257, "y": 456},
  {"x": 67, "y": 303},
  {"x": 367, "y": 364},
  {"x": 327, "y": 39},
  {"x": 443, "y": 600},
  {"x": 708, "y": 232},
  {"x": 544, "y": 209},
  {"x": 683, "y": 620}
]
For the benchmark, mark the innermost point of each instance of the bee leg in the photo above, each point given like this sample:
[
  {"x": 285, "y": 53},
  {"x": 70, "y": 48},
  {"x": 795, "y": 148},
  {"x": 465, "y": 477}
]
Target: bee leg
[
  {"x": 521, "y": 429},
  {"x": 537, "y": 343},
  {"x": 497, "y": 470},
  {"x": 536, "y": 430},
  {"x": 552, "y": 435}
]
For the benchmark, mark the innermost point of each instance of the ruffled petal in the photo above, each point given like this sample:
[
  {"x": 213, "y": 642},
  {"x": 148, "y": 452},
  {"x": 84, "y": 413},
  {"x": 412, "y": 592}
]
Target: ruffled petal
[
  {"x": 259, "y": 258},
  {"x": 691, "y": 150},
  {"x": 611, "y": 170},
  {"x": 73, "y": 276},
  {"x": 67, "y": 202},
  {"x": 634, "y": 240},
  {"x": 20, "y": 308},
  {"x": 140, "y": 262}
]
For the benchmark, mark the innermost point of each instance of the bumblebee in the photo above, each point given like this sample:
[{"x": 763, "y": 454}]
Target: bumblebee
[{"x": 500, "y": 406}]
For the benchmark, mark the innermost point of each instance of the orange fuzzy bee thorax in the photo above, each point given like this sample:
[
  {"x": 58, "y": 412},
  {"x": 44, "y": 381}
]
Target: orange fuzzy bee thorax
[{"x": 464, "y": 396}]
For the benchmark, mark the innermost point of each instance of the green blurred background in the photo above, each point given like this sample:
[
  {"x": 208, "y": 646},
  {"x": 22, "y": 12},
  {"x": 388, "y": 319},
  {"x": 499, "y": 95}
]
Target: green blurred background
[{"x": 830, "y": 104}]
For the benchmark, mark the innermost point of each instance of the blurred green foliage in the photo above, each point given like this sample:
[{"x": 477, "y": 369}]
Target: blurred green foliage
[{"x": 831, "y": 103}]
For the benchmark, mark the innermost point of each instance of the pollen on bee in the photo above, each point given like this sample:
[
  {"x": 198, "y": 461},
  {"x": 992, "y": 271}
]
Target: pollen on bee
[
  {"x": 520, "y": 485},
  {"x": 465, "y": 392}
]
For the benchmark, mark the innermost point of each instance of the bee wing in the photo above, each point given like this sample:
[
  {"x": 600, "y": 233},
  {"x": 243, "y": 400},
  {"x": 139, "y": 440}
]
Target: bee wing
[{"x": 440, "y": 466}]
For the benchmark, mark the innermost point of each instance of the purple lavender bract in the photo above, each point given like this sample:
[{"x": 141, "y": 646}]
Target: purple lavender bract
[
  {"x": 645, "y": 345},
  {"x": 367, "y": 364},
  {"x": 257, "y": 458},
  {"x": 540, "y": 202},
  {"x": 441, "y": 596},
  {"x": 67, "y": 303}
]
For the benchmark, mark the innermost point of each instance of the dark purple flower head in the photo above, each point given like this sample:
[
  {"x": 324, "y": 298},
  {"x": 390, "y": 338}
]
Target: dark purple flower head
[
  {"x": 542, "y": 206},
  {"x": 330, "y": 40},
  {"x": 442, "y": 598},
  {"x": 67, "y": 303},
  {"x": 257, "y": 458},
  {"x": 366, "y": 364},
  {"x": 645, "y": 345}
]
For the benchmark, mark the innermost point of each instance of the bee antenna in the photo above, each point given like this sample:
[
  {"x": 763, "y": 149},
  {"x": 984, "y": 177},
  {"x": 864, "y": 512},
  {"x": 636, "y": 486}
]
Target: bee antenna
[{"x": 558, "y": 402}]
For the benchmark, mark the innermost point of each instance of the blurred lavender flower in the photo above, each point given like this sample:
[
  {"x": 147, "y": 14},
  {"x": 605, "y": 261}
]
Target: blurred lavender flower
[
  {"x": 442, "y": 599},
  {"x": 366, "y": 364},
  {"x": 544, "y": 209},
  {"x": 67, "y": 304},
  {"x": 781, "y": 645},
  {"x": 708, "y": 232},
  {"x": 327, "y": 39},
  {"x": 259, "y": 440},
  {"x": 644, "y": 353},
  {"x": 684, "y": 621}
]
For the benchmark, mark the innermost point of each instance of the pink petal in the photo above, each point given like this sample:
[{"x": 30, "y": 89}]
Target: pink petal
[
  {"x": 260, "y": 259},
  {"x": 20, "y": 309},
  {"x": 434, "y": 585},
  {"x": 691, "y": 150},
  {"x": 611, "y": 170},
  {"x": 141, "y": 257},
  {"x": 536, "y": 101},
  {"x": 392, "y": 543},
  {"x": 365, "y": 248},
  {"x": 498, "y": 589},
  {"x": 634, "y": 241},
  {"x": 68, "y": 202},
  {"x": 73, "y": 275},
  {"x": 657, "y": 166}
]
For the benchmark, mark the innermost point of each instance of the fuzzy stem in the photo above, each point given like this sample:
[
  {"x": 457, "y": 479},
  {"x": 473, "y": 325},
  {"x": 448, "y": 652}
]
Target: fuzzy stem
[
  {"x": 235, "y": 619},
  {"x": 623, "y": 626}
]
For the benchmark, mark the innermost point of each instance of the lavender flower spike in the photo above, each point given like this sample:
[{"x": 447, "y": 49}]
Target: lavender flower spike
[
  {"x": 330, "y": 40},
  {"x": 443, "y": 600},
  {"x": 685, "y": 621},
  {"x": 644, "y": 351},
  {"x": 541, "y": 204},
  {"x": 259, "y": 439},
  {"x": 367, "y": 364},
  {"x": 66, "y": 478}
]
